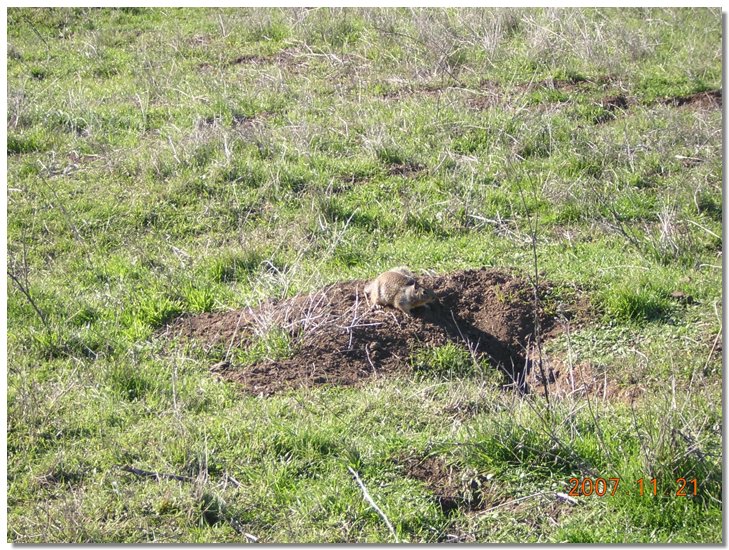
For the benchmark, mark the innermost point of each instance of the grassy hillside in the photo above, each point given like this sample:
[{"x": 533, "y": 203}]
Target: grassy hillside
[{"x": 171, "y": 161}]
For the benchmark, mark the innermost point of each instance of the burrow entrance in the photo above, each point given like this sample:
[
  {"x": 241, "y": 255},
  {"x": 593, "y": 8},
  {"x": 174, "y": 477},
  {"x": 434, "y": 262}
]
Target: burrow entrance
[{"x": 337, "y": 339}]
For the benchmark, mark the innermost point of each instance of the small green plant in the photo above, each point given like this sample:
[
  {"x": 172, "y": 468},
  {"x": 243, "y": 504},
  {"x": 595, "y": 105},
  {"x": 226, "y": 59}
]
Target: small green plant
[
  {"x": 199, "y": 299},
  {"x": 390, "y": 155},
  {"x": 636, "y": 304},
  {"x": 448, "y": 361},
  {"x": 232, "y": 266},
  {"x": 28, "y": 142},
  {"x": 129, "y": 381},
  {"x": 272, "y": 345}
]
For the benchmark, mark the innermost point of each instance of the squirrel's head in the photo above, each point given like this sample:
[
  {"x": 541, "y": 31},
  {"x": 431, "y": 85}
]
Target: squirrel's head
[{"x": 422, "y": 295}]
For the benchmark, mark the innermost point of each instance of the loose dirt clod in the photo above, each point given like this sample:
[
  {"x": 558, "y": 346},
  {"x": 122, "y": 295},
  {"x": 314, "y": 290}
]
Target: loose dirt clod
[{"x": 339, "y": 340}]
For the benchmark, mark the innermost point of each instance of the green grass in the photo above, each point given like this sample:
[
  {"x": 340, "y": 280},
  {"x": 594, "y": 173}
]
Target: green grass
[
  {"x": 450, "y": 361},
  {"x": 167, "y": 161}
]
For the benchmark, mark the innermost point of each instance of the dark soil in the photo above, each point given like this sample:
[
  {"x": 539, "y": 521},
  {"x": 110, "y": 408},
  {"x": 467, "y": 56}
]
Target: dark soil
[
  {"x": 611, "y": 104},
  {"x": 287, "y": 58},
  {"x": 459, "y": 489},
  {"x": 483, "y": 102},
  {"x": 255, "y": 59},
  {"x": 579, "y": 379},
  {"x": 491, "y": 94},
  {"x": 340, "y": 340},
  {"x": 406, "y": 169},
  {"x": 450, "y": 486},
  {"x": 703, "y": 100},
  {"x": 615, "y": 102}
]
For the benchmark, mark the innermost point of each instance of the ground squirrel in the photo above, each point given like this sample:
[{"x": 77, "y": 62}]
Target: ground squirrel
[{"x": 398, "y": 288}]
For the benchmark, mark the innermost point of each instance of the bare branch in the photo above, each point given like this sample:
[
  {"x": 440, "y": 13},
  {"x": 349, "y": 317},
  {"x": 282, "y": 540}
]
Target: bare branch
[
  {"x": 371, "y": 502},
  {"x": 26, "y": 292},
  {"x": 156, "y": 475}
]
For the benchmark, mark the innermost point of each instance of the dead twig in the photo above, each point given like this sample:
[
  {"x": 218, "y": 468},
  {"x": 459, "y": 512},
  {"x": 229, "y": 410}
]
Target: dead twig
[
  {"x": 39, "y": 35},
  {"x": 371, "y": 502},
  {"x": 533, "y": 227},
  {"x": 26, "y": 292},
  {"x": 59, "y": 203},
  {"x": 472, "y": 348},
  {"x": 713, "y": 347},
  {"x": 566, "y": 498},
  {"x": 233, "y": 481},
  {"x": 232, "y": 338},
  {"x": 238, "y": 526},
  {"x": 541, "y": 493},
  {"x": 156, "y": 475},
  {"x": 709, "y": 231}
]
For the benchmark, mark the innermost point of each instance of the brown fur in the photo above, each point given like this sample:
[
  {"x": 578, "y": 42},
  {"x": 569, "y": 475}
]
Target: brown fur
[{"x": 398, "y": 288}]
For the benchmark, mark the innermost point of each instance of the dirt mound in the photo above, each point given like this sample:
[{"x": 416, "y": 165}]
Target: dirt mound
[{"x": 338, "y": 339}]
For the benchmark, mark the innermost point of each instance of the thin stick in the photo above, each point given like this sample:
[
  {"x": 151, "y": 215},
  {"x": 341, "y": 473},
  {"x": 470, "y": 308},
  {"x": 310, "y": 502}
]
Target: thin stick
[
  {"x": 567, "y": 498},
  {"x": 232, "y": 338},
  {"x": 222, "y": 26},
  {"x": 569, "y": 354},
  {"x": 156, "y": 475},
  {"x": 371, "y": 502},
  {"x": 709, "y": 231},
  {"x": 30, "y": 299},
  {"x": 39, "y": 35},
  {"x": 471, "y": 349},
  {"x": 235, "y": 482},
  {"x": 713, "y": 347},
  {"x": 238, "y": 526},
  {"x": 174, "y": 389},
  {"x": 512, "y": 502},
  {"x": 598, "y": 430},
  {"x": 62, "y": 208},
  {"x": 535, "y": 283}
]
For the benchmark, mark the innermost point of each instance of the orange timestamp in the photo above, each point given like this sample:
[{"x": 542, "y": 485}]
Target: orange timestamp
[{"x": 601, "y": 487}]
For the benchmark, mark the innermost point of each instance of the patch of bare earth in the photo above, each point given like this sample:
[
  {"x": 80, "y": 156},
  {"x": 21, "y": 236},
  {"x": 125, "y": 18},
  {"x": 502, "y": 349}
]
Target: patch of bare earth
[
  {"x": 565, "y": 379},
  {"x": 566, "y": 84},
  {"x": 284, "y": 57},
  {"x": 612, "y": 105},
  {"x": 289, "y": 59},
  {"x": 338, "y": 339},
  {"x": 410, "y": 90},
  {"x": 702, "y": 100},
  {"x": 490, "y": 93},
  {"x": 453, "y": 488},
  {"x": 405, "y": 169}
]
